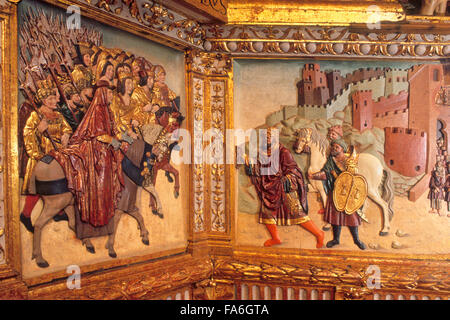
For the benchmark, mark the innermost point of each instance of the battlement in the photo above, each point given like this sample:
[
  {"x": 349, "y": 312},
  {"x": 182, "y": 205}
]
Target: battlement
[
  {"x": 392, "y": 96},
  {"x": 404, "y": 131},
  {"x": 391, "y": 113}
]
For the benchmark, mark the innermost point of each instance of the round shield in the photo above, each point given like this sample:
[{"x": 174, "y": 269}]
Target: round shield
[
  {"x": 341, "y": 191},
  {"x": 358, "y": 194}
]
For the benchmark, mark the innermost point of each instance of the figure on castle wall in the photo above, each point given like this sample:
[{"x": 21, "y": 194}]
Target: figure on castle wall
[
  {"x": 447, "y": 187},
  {"x": 437, "y": 187},
  {"x": 282, "y": 194}
]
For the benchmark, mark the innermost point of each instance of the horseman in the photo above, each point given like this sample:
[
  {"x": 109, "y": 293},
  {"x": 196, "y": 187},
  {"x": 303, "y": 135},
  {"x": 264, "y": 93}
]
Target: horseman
[
  {"x": 335, "y": 165},
  {"x": 92, "y": 165},
  {"x": 142, "y": 98},
  {"x": 45, "y": 130},
  {"x": 283, "y": 194}
]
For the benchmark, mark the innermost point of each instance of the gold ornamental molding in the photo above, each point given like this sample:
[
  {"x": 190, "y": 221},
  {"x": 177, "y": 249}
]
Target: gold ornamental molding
[
  {"x": 342, "y": 42},
  {"x": 313, "y": 12},
  {"x": 133, "y": 283},
  {"x": 292, "y": 269}
]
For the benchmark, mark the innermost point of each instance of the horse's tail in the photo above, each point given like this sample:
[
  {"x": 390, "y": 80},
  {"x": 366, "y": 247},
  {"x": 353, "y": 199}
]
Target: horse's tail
[{"x": 388, "y": 191}]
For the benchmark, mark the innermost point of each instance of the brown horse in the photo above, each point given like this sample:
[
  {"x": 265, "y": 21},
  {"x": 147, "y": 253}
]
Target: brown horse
[
  {"x": 162, "y": 149},
  {"x": 52, "y": 173}
]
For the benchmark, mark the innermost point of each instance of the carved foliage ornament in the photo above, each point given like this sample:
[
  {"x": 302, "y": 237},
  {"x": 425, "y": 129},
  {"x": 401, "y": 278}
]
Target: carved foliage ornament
[
  {"x": 335, "y": 274},
  {"x": 155, "y": 16},
  {"x": 336, "y": 41}
]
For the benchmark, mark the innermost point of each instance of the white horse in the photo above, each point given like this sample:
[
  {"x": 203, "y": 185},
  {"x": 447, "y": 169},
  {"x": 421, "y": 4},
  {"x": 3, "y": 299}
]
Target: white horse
[{"x": 368, "y": 166}]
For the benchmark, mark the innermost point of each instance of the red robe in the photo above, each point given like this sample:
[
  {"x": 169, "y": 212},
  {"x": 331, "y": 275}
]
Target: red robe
[
  {"x": 276, "y": 206},
  {"x": 92, "y": 167}
]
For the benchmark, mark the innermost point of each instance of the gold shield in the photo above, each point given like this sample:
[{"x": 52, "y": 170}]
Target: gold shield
[
  {"x": 342, "y": 187},
  {"x": 350, "y": 192}
]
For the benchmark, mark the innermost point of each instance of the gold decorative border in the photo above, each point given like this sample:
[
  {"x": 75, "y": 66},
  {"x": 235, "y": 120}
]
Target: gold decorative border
[
  {"x": 293, "y": 269},
  {"x": 327, "y": 42},
  {"x": 143, "y": 278}
]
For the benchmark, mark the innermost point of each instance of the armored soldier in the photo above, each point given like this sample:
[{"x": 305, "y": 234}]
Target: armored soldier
[
  {"x": 437, "y": 185},
  {"x": 335, "y": 165}
]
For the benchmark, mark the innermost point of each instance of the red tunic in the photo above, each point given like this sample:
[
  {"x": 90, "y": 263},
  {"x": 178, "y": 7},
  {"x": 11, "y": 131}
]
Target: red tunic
[
  {"x": 93, "y": 168},
  {"x": 276, "y": 205}
]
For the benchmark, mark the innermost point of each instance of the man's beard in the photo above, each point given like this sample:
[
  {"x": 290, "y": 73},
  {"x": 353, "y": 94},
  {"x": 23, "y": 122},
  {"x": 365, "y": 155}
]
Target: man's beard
[{"x": 335, "y": 153}]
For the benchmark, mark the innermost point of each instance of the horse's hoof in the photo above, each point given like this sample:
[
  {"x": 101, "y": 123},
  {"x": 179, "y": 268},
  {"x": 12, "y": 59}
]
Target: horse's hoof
[
  {"x": 146, "y": 242},
  {"x": 176, "y": 194},
  {"x": 326, "y": 228},
  {"x": 112, "y": 254},
  {"x": 90, "y": 249},
  {"x": 155, "y": 212},
  {"x": 62, "y": 216},
  {"x": 42, "y": 264},
  {"x": 383, "y": 233},
  {"x": 161, "y": 215}
]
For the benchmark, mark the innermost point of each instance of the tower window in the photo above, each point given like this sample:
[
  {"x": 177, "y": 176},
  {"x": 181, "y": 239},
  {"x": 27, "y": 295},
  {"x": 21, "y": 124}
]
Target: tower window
[
  {"x": 436, "y": 75},
  {"x": 391, "y": 162}
]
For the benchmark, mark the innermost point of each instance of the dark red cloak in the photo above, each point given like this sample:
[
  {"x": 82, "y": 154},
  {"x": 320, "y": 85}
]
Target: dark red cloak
[
  {"x": 92, "y": 167},
  {"x": 270, "y": 189}
]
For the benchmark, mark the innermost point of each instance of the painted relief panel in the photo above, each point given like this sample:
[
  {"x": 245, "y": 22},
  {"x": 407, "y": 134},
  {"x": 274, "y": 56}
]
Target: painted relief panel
[
  {"x": 362, "y": 153},
  {"x": 98, "y": 114}
]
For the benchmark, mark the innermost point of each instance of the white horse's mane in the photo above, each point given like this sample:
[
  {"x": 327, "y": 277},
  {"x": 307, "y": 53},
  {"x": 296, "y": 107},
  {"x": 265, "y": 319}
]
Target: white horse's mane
[{"x": 316, "y": 137}]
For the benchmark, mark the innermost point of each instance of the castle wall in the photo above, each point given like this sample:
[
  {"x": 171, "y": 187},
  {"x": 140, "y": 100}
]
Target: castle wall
[
  {"x": 391, "y": 103},
  {"x": 397, "y": 118},
  {"x": 315, "y": 112},
  {"x": 411, "y": 159},
  {"x": 363, "y": 74}
]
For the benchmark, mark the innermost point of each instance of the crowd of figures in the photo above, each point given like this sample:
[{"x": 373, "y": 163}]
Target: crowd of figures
[
  {"x": 440, "y": 181},
  {"x": 95, "y": 124}
]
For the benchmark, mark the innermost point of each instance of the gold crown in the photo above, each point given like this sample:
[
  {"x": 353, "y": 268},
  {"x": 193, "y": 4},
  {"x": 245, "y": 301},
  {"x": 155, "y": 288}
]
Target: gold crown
[
  {"x": 64, "y": 80},
  {"x": 46, "y": 88},
  {"x": 123, "y": 75}
]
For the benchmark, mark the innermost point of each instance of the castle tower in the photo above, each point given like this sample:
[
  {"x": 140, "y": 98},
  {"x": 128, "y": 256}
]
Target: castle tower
[
  {"x": 335, "y": 82},
  {"x": 396, "y": 81},
  {"x": 362, "y": 110},
  {"x": 425, "y": 81},
  {"x": 405, "y": 150},
  {"x": 311, "y": 72}
]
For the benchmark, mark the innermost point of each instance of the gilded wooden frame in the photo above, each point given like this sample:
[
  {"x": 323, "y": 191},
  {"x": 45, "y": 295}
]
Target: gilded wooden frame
[{"x": 223, "y": 263}]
